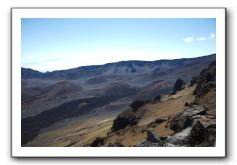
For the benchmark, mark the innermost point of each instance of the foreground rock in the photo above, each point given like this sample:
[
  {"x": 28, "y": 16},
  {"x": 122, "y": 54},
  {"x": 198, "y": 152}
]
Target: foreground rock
[
  {"x": 129, "y": 117},
  {"x": 201, "y": 135},
  {"x": 186, "y": 118},
  {"x": 152, "y": 136},
  {"x": 198, "y": 134},
  {"x": 123, "y": 120},
  {"x": 206, "y": 80},
  {"x": 191, "y": 127}
]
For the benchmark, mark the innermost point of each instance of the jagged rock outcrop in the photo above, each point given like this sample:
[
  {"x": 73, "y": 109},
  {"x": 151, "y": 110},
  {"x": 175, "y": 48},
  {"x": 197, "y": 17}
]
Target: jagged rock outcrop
[
  {"x": 128, "y": 117},
  {"x": 185, "y": 119},
  {"x": 180, "y": 122},
  {"x": 191, "y": 127},
  {"x": 198, "y": 134},
  {"x": 206, "y": 80},
  {"x": 123, "y": 120},
  {"x": 206, "y": 89},
  {"x": 194, "y": 133},
  {"x": 179, "y": 84}
]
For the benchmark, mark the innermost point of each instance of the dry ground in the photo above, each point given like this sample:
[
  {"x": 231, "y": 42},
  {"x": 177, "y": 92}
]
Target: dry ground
[
  {"x": 73, "y": 134},
  {"x": 82, "y": 133}
]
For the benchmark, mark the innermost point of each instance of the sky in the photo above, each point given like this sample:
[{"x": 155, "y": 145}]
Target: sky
[{"x": 49, "y": 44}]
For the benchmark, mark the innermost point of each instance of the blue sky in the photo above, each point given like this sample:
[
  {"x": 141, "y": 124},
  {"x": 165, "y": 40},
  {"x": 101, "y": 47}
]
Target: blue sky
[{"x": 55, "y": 43}]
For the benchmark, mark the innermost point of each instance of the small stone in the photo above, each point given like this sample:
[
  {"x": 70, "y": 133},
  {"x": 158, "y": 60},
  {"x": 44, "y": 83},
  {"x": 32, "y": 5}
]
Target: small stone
[
  {"x": 160, "y": 120},
  {"x": 163, "y": 138},
  {"x": 97, "y": 142},
  {"x": 152, "y": 136}
]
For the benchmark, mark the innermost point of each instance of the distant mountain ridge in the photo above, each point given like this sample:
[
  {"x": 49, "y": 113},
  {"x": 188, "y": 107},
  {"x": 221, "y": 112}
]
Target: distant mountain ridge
[
  {"x": 133, "y": 67},
  {"x": 30, "y": 73}
]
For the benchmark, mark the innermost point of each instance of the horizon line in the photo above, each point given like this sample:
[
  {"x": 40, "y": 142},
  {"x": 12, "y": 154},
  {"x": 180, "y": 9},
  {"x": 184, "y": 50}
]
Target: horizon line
[{"x": 118, "y": 62}]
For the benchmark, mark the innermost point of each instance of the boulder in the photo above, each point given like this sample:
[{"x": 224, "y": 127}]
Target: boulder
[
  {"x": 186, "y": 118},
  {"x": 152, "y": 136},
  {"x": 128, "y": 117},
  {"x": 186, "y": 104},
  {"x": 179, "y": 84},
  {"x": 122, "y": 122},
  {"x": 198, "y": 134},
  {"x": 137, "y": 104},
  {"x": 180, "y": 138},
  {"x": 194, "y": 110},
  {"x": 180, "y": 122}
]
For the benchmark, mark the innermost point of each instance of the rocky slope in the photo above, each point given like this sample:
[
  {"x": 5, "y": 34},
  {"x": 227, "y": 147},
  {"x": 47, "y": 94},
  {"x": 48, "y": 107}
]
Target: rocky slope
[{"x": 157, "y": 124}]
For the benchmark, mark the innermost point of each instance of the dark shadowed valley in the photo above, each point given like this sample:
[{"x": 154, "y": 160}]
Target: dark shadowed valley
[{"x": 161, "y": 103}]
